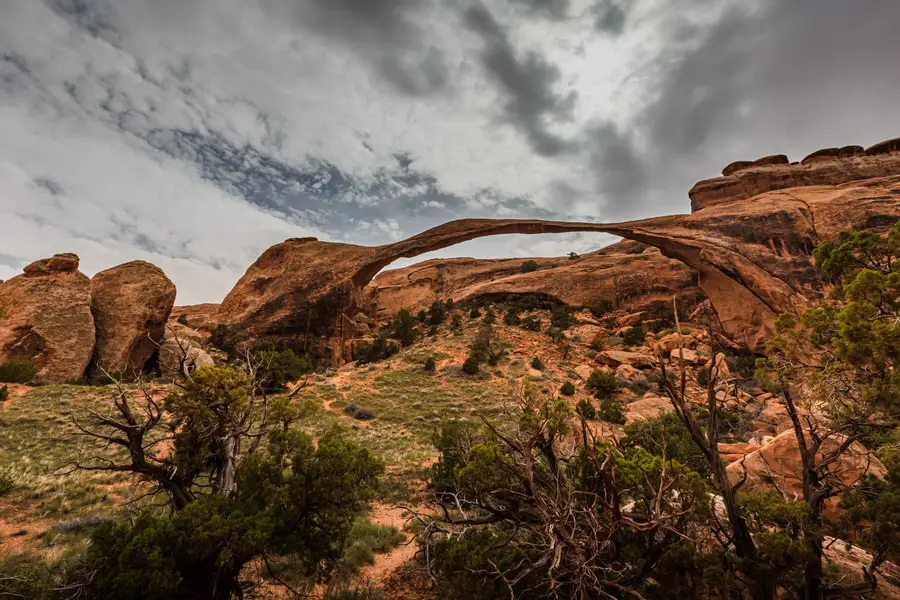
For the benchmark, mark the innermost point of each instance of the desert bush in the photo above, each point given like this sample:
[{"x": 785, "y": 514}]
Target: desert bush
[
  {"x": 603, "y": 384},
  {"x": 365, "y": 540},
  {"x": 470, "y": 366},
  {"x": 456, "y": 322},
  {"x": 585, "y": 408},
  {"x": 7, "y": 482},
  {"x": 379, "y": 349},
  {"x": 403, "y": 328},
  {"x": 703, "y": 376},
  {"x": 343, "y": 590},
  {"x": 601, "y": 308},
  {"x": 430, "y": 364},
  {"x": 537, "y": 364},
  {"x": 474, "y": 313},
  {"x": 278, "y": 368},
  {"x": 359, "y": 412},
  {"x": 17, "y": 370},
  {"x": 597, "y": 345},
  {"x": 437, "y": 313},
  {"x": 511, "y": 317},
  {"x": 531, "y": 323},
  {"x": 567, "y": 389},
  {"x": 560, "y": 317},
  {"x": 634, "y": 336},
  {"x": 529, "y": 266},
  {"x": 611, "y": 412},
  {"x": 4, "y": 393}
]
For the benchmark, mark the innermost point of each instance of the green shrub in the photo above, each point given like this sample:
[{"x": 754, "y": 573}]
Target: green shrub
[
  {"x": 4, "y": 393},
  {"x": 17, "y": 370},
  {"x": 603, "y": 384},
  {"x": 531, "y": 323},
  {"x": 470, "y": 366},
  {"x": 537, "y": 364},
  {"x": 437, "y": 313},
  {"x": 611, "y": 412},
  {"x": 278, "y": 368},
  {"x": 511, "y": 317},
  {"x": 585, "y": 408},
  {"x": 555, "y": 334},
  {"x": 601, "y": 308},
  {"x": 7, "y": 484},
  {"x": 529, "y": 266},
  {"x": 567, "y": 389},
  {"x": 490, "y": 317},
  {"x": 560, "y": 317},
  {"x": 27, "y": 577},
  {"x": 379, "y": 349},
  {"x": 403, "y": 328},
  {"x": 365, "y": 540},
  {"x": 430, "y": 365},
  {"x": 703, "y": 376},
  {"x": 634, "y": 336},
  {"x": 474, "y": 313},
  {"x": 182, "y": 318},
  {"x": 359, "y": 412},
  {"x": 422, "y": 316},
  {"x": 456, "y": 322},
  {"x": 597, "y": 345},
  {"x": 668, "y": 433}
]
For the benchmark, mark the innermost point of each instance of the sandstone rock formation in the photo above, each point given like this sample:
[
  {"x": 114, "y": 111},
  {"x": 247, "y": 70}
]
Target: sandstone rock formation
[
  {"x": 777, "y": 466},
  {"x": 201, "y": 317},
  {"x": 180, "y": 354},
  {"x": 130, "y": 304},
  {"x": 749, "y": 239},
  {"x": 629, "y": 275},
  {"x": 45, "y": 315}
]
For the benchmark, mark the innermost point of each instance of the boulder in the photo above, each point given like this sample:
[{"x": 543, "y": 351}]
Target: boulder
[
  {"x": 130, "y": 304},
  {"x": 179, "y": 355},
  {"x": 689, "y": 356},
  {"x": 45, "y": 315},
  {"x": 614, "y": 358},
  {"x": 647, "y": 408},
  {"x": 776, "y": 465},
  {"x": 627, "y": 373},
  {"x": 675, "y": 340},
  {"x": 584, "y": 371}
]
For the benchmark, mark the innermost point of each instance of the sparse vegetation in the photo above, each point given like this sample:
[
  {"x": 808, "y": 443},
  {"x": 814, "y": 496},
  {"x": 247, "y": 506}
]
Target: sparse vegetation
[
  {"x": 567, "y": 389},
  {"x": 560, "y": 317},
  {"x": 585, "y": 409},
  {"x": 17, "y": 370},
  {"x": 611, "y": 412},
  {"x": 4, "y": 393},
  {"x": 634, "y": 336},
  {"x": 603, "y": 384},
  {"x": 529, "y": 266},
  {"x": 601, "y": 309},
  {"x": 470, "y": 365},
  {"x": 537, "y": 364}
]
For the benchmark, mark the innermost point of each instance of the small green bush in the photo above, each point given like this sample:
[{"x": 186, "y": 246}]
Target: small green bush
[
  {"x": 379, "y": 349},
  {"x": 703, "y": 376},
  {"x": 353, "y": 591},
  {"x": 603, "y": 384},
  {"x": 560, "y": 317},
  {"x": 422, "y": 316},
  {"x": 276, "y": 369},
  {"x": 529, "y": 266},
  {"x": 359, "y": 412},
  {"x": 365, "y": 540},
  {"x": 7, "y": 482},
  {"x": 597, "y": 345},
  {"x": 567, "y": 389},
  {"x": 601, "y": 308},
  {"x": 182, "y": 318},
  {"x": 511, "y": 317},
  {"x": 17, "y": 370},
  {"x": 456, "y": 322},
  {"x": 474, "y": 313},
  {"x": 531, "y": 323},
  {"x": 634, "y": 336},
  {"x": 430, "y": 364},
  {"x": 611, "y": 412},
  {"x": 470, "y": 366},
  {"x": 585, "y": 408},
  {"x": 537, "y": 364},
  {"x": 490, "y": 317},
  {"x": 4, "y": 393}
]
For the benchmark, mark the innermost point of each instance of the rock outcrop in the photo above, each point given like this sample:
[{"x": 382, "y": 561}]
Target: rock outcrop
[
  {"x": 777, "y": 466},
  {"x": 631, "y": 276},
  {"x": 749, "y": 242},
  {"x": 180, "y": 353},
  {"x": 201, "y": 317},
  {"x": 45, "y": 315},
  {"x": 130, "y": 304},
  {"x": 826, "y": 167}
]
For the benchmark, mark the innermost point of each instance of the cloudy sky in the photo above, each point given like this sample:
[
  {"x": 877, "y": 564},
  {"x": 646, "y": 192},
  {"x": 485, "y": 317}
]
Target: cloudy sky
[{"x": 195, "y": 133}]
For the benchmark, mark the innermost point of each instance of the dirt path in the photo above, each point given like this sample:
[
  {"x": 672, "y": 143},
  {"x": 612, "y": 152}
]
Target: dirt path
[{"x": 387, "y": 564}]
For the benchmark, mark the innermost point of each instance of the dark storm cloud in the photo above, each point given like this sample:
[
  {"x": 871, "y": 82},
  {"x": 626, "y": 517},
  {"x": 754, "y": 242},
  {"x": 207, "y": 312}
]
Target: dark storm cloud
[
  {"x": 551, "y": 9},
  {"x": 385, "y": 33},
  {"x": 610, "y": 16},
  {"x": 789, "y": 77},
  {"x": 613, "y": 155},
  {"x": 527, "y": 82}
]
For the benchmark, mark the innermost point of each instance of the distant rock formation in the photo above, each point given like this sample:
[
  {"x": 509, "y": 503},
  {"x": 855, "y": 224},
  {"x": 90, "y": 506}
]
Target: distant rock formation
[
  {"x": 45, "y": 315},
  {"x": 752, "y": 257},
  {"x": 130, "y": 303},
  {"x": 628, "y": 275},
  {"x": 827, "y": 167}
]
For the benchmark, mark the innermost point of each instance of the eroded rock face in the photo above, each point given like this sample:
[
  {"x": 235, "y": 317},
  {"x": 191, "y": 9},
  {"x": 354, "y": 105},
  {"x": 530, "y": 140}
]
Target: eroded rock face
[
  {"x": 777, "y": 466},
  {"x": 45, "y": 315},
  {"x": 201, "y": 317},
  {"x": 627, "y": 274},
  {"x": 752, "y": 255},
  {"x": 829, "y": 166},
  {"x": 180, "y": 354},
  {"x": 130, "y": 304}
]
